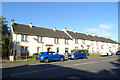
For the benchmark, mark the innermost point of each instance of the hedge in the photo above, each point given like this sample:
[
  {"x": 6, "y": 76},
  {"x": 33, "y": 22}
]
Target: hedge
[
  {"x": 36, "y": 54},
  {"x": 87, "y": 51}
]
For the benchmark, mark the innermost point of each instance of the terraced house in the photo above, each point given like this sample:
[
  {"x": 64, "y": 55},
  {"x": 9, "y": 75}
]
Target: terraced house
[{"x": 29, "y": 39}]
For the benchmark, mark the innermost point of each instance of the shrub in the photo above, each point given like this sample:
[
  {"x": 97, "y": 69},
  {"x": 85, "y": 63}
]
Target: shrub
[
  {"x": 35, "y": 54},
  {"x": 87, "y": 51}
]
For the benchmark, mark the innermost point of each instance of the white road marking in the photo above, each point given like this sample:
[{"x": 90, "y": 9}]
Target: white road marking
[
  {"x": 109, "y": 59},
  {"x": 88, "y": 63},
  {"x": 74, "y": 78},
  {"x": 33, "y": 71},
  {"x": 91, "y": 62},
  {"x": 104, "y": 60},
  {"x": 104, "y": 57},
  {"x": 85, "y": 63},
  {"x": 63, "y": 65},
  {"x": 77, "y": 64}
]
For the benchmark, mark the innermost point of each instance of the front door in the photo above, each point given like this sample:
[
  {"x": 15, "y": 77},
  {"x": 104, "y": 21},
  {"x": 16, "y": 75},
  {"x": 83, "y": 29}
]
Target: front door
[{"x": 48, "y": 49}]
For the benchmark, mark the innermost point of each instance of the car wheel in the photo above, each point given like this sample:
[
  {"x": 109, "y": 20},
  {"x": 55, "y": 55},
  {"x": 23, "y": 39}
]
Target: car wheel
[
  {"x": 46, "y": 60},
  {"x": 62, "y": 59},
  {"x": 107, "y": 54},
  {"x": 85, "y": 57},
  {"x": 75, "y": 58},
  {"x": 112, "y": 54}
]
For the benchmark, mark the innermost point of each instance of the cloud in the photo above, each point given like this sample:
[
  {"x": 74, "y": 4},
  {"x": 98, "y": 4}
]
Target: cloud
[
  {"x": 101, "y": 30},
  {"x": 104, "y": 26}
]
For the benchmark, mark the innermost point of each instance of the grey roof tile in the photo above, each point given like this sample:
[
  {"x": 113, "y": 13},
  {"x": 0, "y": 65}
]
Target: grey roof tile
[
  {"x": 39, "y": 31},
  {"x": 90, "y": 37},
  {"x": 25, "y": 29}
]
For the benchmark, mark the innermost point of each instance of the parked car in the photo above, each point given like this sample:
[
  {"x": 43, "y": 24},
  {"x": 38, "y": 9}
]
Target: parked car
[
  {"x": 50, "y": 55},
  {"x": 77, "y": 54},
  {"x": 106, "y": 53},
  {"x": 118, "y": 53}
]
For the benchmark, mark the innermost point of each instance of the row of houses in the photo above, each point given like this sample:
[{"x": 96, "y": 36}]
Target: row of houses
[{"x": 29, "y": 39}]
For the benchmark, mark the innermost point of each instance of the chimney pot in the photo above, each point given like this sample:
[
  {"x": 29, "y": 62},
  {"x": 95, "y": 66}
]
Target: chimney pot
[
  {"x": 12, "y": 21},
  {"x": 86, "y": 33},
  {"x": 73, "y": 31},
  {"x": 30, "y": 24},
  {"x": 65, "y": 29},
  {"x": 93, "y": 34},
  {"x": 54, "y": 29}
]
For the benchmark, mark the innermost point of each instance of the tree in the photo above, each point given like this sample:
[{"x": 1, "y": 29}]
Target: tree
[{"x": 4, "y": 37}]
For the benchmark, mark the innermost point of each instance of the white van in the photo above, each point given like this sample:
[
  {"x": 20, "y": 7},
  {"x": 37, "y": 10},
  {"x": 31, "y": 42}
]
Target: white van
[{"x": 106, "y": 53}]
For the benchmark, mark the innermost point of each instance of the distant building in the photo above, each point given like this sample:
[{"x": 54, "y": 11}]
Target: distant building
[{"x": 28, "y": 39}]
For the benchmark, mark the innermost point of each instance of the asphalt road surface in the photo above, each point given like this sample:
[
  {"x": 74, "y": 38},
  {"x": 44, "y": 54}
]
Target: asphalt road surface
[{"x": 93, "y": 67}]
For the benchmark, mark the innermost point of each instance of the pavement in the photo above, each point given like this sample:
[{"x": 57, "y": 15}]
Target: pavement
[
  {"x": 7, "y": 63},
  {"x": 93, "y": 67}
]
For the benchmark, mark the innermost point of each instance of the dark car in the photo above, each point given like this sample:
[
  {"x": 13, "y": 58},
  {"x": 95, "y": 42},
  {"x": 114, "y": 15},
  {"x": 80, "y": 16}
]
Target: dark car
[
  {"x": 50, "y": 55},
  {"x": 77, "y": 54},
  {"x": 118, "y": 53}
]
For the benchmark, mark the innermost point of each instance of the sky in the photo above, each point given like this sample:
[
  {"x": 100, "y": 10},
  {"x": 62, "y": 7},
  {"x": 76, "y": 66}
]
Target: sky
[{"x": 100, "y": 18}]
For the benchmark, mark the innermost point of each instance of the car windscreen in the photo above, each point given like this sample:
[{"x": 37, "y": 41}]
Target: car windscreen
[
  {"x": 75, "y": 52},
  {"x": 48, "y": 52},
  {"x": 43, "y": 53},
  {"x": 82, "y": 51},
  {"x": 118, "y": 52}
]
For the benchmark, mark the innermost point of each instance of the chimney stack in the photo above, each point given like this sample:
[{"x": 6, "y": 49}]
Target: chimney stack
[
  {"x": 12, "y": 22},
  {"x": 73, "y": 31},
  {"x": 54, "y": 28},
  {"x": 93, "y": 34},
  {"x": 30, "y": 24},
  {"x": 65, "y": 29},
  {"x": 86, "y": 33}
]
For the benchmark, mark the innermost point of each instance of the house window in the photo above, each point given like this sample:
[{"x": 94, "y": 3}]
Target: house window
[
  {"x": 24, "y": 51},
  {"x": 24, "y": 38},
  {"x": 76, "y": 47},
  {"x": 97, "y": 48},
  {"x": 56, "y": 40},
  {"x": 76, "y": 41},
  {"x": 57, "y": 50},
  {"x": 66, "y": 50},
  {"x": 38, "y": 49},
  {"x": 66, "y": 41},
  {"x": 40, "y": 39},
  {"x": 96, "y": 43},
  {"x": 83, "y": 41},
  {"x": 102, "y": 46},
  {"x": 88, "y": 46}
]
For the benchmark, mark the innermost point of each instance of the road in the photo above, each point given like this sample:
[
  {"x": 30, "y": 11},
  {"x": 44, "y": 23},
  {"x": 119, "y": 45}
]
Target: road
[{"x": 93, "y": 67}]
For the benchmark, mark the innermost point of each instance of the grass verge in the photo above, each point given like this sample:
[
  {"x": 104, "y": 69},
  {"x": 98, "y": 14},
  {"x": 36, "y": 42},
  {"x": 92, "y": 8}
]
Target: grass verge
[
  {"x": 96, "y": 54},
  {"x": 20, "y": 60}
]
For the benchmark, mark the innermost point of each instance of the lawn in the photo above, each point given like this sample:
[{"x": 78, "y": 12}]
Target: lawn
[{"x": 20, "y": 60}]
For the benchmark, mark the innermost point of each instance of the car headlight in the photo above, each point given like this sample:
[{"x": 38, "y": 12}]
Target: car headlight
[{"x": 72, "y": 56}]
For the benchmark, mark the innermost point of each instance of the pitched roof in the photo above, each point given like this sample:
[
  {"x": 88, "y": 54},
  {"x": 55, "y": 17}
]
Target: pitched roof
[
  {"x": 89, "y": 37},
  {"x": 39, "y": 31}
]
